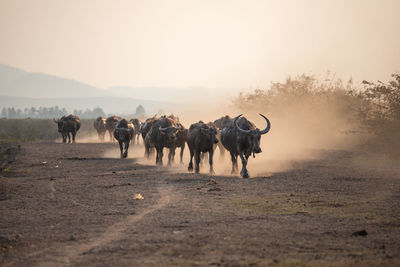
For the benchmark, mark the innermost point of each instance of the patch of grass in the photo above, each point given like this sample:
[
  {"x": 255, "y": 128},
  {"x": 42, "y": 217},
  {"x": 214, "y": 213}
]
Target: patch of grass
[
  {"x": 28, "y": 130},
  {"x": 313, "y": 203},
  {"x": 288, "y": 263}
]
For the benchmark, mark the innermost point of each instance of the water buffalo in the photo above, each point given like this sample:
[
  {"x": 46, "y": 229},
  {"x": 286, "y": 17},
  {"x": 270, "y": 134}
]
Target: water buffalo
[
  {"x": 220, "y": 124},
  {"x": 100, "y": 125},
  {"x": 201, "y": 139},
  {"x": 124, "y": 132},
  {"x": 68, "y": 125},
  {"x": 111, "y": 122},
  {"x": 241, "y": 137},
  {"x": 181, "y": 139},
  {"x": 144, "y": 129},
  {"x": 163, "y": 134},
  {"x": 136, "y": 123}
]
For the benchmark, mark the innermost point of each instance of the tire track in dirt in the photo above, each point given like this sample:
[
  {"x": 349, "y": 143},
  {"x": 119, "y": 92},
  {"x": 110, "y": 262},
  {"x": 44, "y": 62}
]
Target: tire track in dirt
[
  {"x": 69, "y": 255},
  {"x": 52, "y": 190}
]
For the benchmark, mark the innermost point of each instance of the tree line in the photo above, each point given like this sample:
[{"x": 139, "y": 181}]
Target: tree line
[
  {"x": 48, "y": 113},
  {"x": 56, "y": 112}
]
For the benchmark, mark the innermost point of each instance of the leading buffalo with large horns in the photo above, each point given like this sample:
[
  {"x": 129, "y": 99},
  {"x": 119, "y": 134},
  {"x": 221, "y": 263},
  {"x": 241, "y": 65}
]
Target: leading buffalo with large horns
[{"x": 241, "y": 137}]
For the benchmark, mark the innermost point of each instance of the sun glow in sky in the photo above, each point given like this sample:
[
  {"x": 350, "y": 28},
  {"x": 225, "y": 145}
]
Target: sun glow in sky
[{"x": 216, "y": 44}]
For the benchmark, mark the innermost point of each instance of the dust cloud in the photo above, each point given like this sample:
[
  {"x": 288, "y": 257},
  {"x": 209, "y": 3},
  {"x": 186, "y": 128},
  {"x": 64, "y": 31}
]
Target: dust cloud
[{"x": 299, "y": 132}]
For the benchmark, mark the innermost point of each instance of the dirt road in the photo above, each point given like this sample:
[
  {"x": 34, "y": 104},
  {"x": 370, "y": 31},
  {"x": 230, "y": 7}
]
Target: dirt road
[{"x": 73, "y": 205}]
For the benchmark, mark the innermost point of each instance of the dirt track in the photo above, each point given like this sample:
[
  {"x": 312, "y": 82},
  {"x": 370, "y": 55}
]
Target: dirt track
[{"x": 73, "y": 205}]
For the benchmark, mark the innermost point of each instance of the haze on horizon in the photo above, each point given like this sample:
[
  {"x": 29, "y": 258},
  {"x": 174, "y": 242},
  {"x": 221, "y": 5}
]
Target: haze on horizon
[{"x": 214, "y": 44}]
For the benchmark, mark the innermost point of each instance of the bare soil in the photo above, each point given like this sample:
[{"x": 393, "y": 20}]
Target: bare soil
[{"x": 74, "y": 205}]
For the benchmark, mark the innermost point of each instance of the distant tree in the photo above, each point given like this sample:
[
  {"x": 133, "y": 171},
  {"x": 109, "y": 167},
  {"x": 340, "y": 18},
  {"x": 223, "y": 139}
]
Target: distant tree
[
  {"x": 140, "y": 111},
  {"x": 98, "y": 112},
  {"x": 12, "y": 113},
  {"x": 4, "y": 113}
]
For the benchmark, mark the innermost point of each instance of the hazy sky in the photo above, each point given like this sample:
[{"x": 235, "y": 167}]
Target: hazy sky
[{"x": 216, "y": 43}]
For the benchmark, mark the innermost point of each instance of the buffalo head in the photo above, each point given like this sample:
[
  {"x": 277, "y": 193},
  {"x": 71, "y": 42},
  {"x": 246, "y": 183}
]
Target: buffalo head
[
  {"x": 210, "y": 133},
  {"x": 123, "y": 134},
  {"x": 170, "y": 132},
  {"x": 60, "y": 124},
  {"x": 254, "y": 135}
]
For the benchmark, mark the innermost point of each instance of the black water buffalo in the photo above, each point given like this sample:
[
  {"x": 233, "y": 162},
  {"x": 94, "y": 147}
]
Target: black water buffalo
[
  {"x": 201, "y": 139},
  {"x": 241, "y": 137},
  {"x": 220, "y": 124},
  {"x": 146, "y": 126},
  {"x": 68, "y": 125},
  {"x": 136, "y": 123},
  {"x": 111, "y": 122},
  {"x": 163, "y": 134},
  {"x": 144, "y": 129},
  {"x": 100, "y": 125},
  {"x": 124, "y": 132},
  {"x": 181, "y": 140}
]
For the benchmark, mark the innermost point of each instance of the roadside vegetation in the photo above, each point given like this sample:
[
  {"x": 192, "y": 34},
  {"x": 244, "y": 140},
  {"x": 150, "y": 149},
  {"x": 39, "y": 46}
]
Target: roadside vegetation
[
  {"x": 317, "y": 111},
  {"x": 26, "y": 130}
]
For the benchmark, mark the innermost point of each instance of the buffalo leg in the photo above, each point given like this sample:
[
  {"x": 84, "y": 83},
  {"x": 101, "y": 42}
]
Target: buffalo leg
[
  {"x": 126, "y": 149},
  {"x": 244, "y": 173},
  {"x": 210, "y": 161},
  {"x": 197, "y": 162},
  {"x": 159, "y": 156},
  {"x": 69, "y": 138},
  {"x": 171, "y": 156},
  {"x": 73, "y": 133},
  {"x": 121, "y": 148},
  {"x": 181, "y": 154},
  {"x": 234, "y": 163},
  {"x": 203, "y": 158},
  {"x": 151, "y": 151},
  {"x": 147, "y": 151},
  {"x": 221, "y": 150},
  {"x": 190, "y": 167}
]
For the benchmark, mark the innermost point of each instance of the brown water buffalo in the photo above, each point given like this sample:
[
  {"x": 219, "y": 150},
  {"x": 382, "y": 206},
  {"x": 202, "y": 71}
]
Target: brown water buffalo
[
  {"x": 100, "y": 125},
  {"x": 111, "y": 122},
  {"x": 136, "y": 123}
]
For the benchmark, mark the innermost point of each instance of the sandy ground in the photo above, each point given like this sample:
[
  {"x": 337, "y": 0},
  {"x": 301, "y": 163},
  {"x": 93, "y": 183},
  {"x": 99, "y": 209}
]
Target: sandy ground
[{"x": 74, "y": 205}]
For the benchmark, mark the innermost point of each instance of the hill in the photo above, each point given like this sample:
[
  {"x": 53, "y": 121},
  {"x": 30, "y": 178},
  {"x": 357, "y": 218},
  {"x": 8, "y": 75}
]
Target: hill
[{"x": 16, "y": 82}]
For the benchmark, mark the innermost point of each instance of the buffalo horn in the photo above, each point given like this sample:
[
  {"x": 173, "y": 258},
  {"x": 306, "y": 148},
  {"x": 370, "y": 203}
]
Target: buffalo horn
[
  {"x": 266, "y": 130},
  {"x": 237, "y": 126}
]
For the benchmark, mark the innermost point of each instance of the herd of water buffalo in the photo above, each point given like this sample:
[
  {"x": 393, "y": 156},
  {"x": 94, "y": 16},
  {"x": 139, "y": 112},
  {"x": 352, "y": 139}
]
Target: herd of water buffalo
[{"x": 237, "y": 135}]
